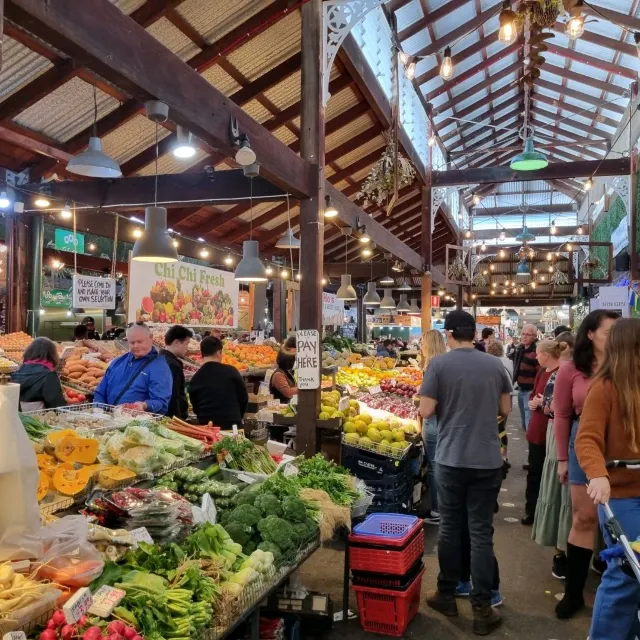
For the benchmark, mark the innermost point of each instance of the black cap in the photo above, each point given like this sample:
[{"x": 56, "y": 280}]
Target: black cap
[
  {"x": 459, "y": 320},
  {"x": 87, "y": 319}
]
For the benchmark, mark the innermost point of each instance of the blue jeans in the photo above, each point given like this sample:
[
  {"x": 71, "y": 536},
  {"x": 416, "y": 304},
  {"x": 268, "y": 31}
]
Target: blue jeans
[
  {"x": 430, "y": 438},
  {"x": 523, "y": 405},
  {"x": 618, "y": 597}
]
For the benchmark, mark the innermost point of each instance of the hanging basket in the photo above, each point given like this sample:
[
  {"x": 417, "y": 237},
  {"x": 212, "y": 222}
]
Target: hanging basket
[{"x": 592, "y": 268}]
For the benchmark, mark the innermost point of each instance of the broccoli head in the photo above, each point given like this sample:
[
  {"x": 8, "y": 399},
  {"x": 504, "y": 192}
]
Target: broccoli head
[
  {"x": 294, "y": 509},
  {"x": 249, "y": 548},
  {"x": 276, "y": 530},
  {"x": 246, "y": 514},
  {"x": 248, "y": 495},
  {"x": 273, "y": 548},
  {"x": 304, "y": 531},
  {"x": 238, "y": 532},
  {"x": 269, "y": 504}
]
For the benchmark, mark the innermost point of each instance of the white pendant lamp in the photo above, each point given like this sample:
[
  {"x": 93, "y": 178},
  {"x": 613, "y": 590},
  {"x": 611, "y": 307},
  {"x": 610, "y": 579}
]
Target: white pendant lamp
[
  {"x": 414, "y": 308},
  {"x": 250, "y": 268},
  {"x": 403, "y": 305},
  {"x": 288, "y": 241},
  {"x": 156, "y": 244},
  {"x": 184, "y": 146},
  {"x": 387, "y": 301},
  {"x": 93, "y": 162},
  {"x": 346, "y": 290},
  {"x": 372, "y": 297},
  {"x": 388, "y": 280}
]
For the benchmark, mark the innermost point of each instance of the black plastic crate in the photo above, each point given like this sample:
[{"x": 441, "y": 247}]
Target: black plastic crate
[
  {"x": 369, "y": 465},
  {"x": 389, "y": 507},
  {"x": 387, "y": 581},
  {"x": 390, "y": 488}
]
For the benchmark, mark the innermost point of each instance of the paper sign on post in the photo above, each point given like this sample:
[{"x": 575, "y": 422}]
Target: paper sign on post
[
  {"x": 343, "y": 405},
  {"x": 308, "y": 358},
  {"x": 96, "y": 293}
]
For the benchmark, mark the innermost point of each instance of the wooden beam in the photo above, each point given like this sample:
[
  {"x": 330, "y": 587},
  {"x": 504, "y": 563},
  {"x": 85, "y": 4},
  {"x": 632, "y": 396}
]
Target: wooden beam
[
  {"x": 566, "y": 106},
  {"x": 569, "y": 74},
  {"x": 484, "y": 121},
  {"x": 25, "y": 141},
  {"x": 430, "y": 18},
  {"x": 128, "y": 56},
  {"x": 539, "y": 114},
  {"x": 546, "y": 208},
  {"x": 579, "y": 95},
  {"x": 583, "y": 169},
  {"x": 591, "y": 61}
]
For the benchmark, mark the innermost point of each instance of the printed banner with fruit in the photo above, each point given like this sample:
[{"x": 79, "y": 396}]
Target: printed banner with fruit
[{"x": 182, "y": 293}]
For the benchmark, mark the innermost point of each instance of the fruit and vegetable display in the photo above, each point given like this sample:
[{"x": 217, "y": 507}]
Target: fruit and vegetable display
[
  {"x": 74, "y": 397},
  {"x": 243, "y": 455},
  {"x": 404, "y": 389},
  {"x": 383, "y": 436},
  {"x": 17, "y": 341},
  {"x": 329, "y": 406},
  {"x": 400, "y": 406},
  {"x": 85, "y": 367},
  {"x": 248, "y": 356},
  {"x": 363, "y": 378},
  {"x": 194, "y": 483}
]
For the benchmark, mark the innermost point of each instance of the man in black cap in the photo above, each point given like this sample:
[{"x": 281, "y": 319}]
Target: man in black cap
[
  {"x": 467, "y": 390},
  {"x": 90, "y": 323}
]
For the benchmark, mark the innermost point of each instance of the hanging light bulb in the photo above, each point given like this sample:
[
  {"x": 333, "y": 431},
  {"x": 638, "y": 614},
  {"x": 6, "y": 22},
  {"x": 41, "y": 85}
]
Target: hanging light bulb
[
  {"x": 364, "y": 238},
  {"x": 549, "y": 256},
  {"x": 502, "y": 253},
  {"x": 410, "y": 71},
  {"x": 535, "y": 272},
  {"x": 553, "y": 229},
  {"x": 491, "y": 267},
  {"x": 542, "y": 278},
  {"x": 204, "y": 252},
  {"x": 569, "y": 247},
  {"x": 245, "y": 155},
  {"x": 492, "y": 292},
  {"x": 575, "y": 26},
  {"x": 4, "y": 200},
  {"x": 403, "y": 57},
  {"x": 329, "y": 210},
  {"x": 324, "y": 281},
  {"x": 55, "y": 263},
  {"x": 42, "y": 202},
  {"x": 441, "y": 292},
  {"x": 175, "y": 243},
  {"x": 269, "y": 270},
  {"x": 476, "y": 199},
  {"x": 508, "y": 31},
  {"x": 66, "y": 211},
  {"x": 298, "y": 276},
  {"x": 228, "y": 260},
  {"x": 493, "y": 285},
  {"x": 504, "y": 291},
  {"x": 284, "y": 274},
  {"x": 446, "y": 68},
  {"x": 550, "y": 269},
  {"x": 503, "y": 235},
  {"x": 483, "y": 247},
  {"x": 432, "y": 140},
  {"x": 184, "y": 147},
  {"x": 533, "y": 285},
  {"x": 467, "y": 233},
  {"x": 588, "y": 184},
  {"x": 91, "y": 247},
  {"x": 366, "y": 252},
  {"x": 507, "y": 283},
  {"x": 580, "y": 231},
  {"x": 137, "y": 233}
]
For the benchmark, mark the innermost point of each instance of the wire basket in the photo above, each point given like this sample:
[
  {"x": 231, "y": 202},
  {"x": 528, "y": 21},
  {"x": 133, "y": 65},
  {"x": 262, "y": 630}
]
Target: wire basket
[
  {"x": 360, "y": 506},
  {"x": 385, "y": 450}
]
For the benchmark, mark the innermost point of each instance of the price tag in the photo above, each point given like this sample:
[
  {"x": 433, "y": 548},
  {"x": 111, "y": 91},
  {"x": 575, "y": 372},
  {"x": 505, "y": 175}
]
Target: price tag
[
  {"x": 375, "y": 390},
  {"x": 14, "y": 635},
  {"x": 77, "y": 605},
  {"x": 294, "y": 400},
  {"x": 273, "y": 402},
  {"x": 357, "y": 365},
  {"x": 228, "y": 458},
  {"x": 291, "y": 470},
  {"x": 343, "y": 405},
  {"x": 348, "y": 389},
  {"x": 245, "y": 478},
  {"x": 234, "y": 430},
  {"x": 105, "y": 600},
  {"x": 209, "y": 509},
  {"x": 141, "y": 535}
]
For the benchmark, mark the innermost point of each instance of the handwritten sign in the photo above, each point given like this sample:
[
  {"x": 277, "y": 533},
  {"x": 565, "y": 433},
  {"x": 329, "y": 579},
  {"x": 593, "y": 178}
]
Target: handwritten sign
[
  {"x": 308, "y": 358},
  {"x": 95, "y": 293},
  {"x": 375, "y": 390},
  {"x": 141, "y": 535},
  {"x": 343, "y": 405},
  {"x": 14, "y": 635},
  {"x": 105, "y": 600},
  {"x": 77, "y": 605}
]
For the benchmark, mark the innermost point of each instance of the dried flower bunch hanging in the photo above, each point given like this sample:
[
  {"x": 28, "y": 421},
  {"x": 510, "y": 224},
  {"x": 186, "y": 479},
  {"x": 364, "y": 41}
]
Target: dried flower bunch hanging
[
  {"x": 379, "y": 186},
  {"x": 544, "y": 13},
  {"x": 479, "y": 280},
  {"x": 592, "y": 267},
  {"x": 558, "y": 278},
  {"x": 457, "y": 269}
]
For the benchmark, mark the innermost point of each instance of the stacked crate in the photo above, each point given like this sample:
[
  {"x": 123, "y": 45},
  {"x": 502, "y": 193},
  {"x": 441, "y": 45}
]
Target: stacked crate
[{"x": 385, "y": 558}]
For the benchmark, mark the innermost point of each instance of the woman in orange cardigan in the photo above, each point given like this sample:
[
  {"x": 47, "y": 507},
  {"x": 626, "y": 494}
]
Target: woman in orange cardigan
[{"x": 610, "y": 430}]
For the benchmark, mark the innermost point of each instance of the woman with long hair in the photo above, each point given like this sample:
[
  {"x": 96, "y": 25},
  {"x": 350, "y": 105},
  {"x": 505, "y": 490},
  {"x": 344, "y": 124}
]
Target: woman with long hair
[
  {"x": 432, "y": 345},
  {"x": 610, "y": 430},
  {"x": 552, "y": 520},
  {"x": 572, "y": 383}
]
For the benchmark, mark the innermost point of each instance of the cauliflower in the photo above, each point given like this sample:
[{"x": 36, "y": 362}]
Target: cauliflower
[
  {"x": 294, "y": 509},
  {"x": 269, "y": 504},
  {"x": 278, "y": 531},
  {"x": 246, "y": 514}
]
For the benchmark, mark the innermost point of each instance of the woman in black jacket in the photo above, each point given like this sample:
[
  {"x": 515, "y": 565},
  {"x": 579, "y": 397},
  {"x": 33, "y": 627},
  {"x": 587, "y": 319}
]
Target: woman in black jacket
[{"x": 39, "y": 383}]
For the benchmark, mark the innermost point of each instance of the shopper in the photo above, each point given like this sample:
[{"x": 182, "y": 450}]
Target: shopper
[
  {"x": 216, "y": 333},
  {"x": 572, "y": 384},
  {"x": 487, "y": 335},
  {"x": 39, "y": 383},
  {"x": 560, "y": 329},
  {"x": 495, "y": 348},
  {"x": 552, "y": 521},
  {"x": 176, "y": 342},
  {"x": 290, "y": 343},
  {"x": 90, "y": 323},
  {"x": 218, "y": 392},
  {"x": 610, "y": 430},
  {"x": 80, "y": 333},
  {"x": 141, "y": 377},
  {"x": 432, "y": 345},
  {"x": 385, "y": 349},
  {"x": 282, "y": 384},
  {"x": 512, "y": 347},
  {"x": 548, "y": 354},
  {"x": 466, "y": 390},
  {"x": 525, "y": 368}
]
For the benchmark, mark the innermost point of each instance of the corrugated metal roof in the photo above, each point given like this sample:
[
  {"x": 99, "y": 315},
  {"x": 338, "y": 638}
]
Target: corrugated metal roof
[
  {"x": 66, "y": 111},
  {"x": 221, "y": 80},
  {"x": 258, "y": 209},
  {"x": 132, "y": 138},
  {"x": 340, "y": 102},
  {"x": 258, "y": 112},
  {"x": 361, "y": 151},
  {"x": 285, "y": 135},
  {"x": 285, "y": 93},
  {"x": 128, "y": 6},
  {"x": 20, "y": 66},
  {"x": 347, "y": 132},
  {"x": 172, "y": 38}
]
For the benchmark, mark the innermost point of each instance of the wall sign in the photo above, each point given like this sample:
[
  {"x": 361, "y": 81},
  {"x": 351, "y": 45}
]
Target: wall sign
[
  {"x": 620, "y": 237},
  {"x": 64, "y": 240},
  {"x": 182, "y": 293},
  {"x": 59, "y": 298},
  {"x": 308, "y": 358},
  {"x": 612, "y": 299},
  {"x": 332, "y": 309},
  {"x": 95, "y": 293}
]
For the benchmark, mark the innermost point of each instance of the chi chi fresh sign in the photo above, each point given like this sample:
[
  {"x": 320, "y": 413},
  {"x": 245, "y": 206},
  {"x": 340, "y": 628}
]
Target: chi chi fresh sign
[
  {"x": 95, "y": 293},
  {"x": 308, "y": 359},
  {"x": 182, "y": 293}
]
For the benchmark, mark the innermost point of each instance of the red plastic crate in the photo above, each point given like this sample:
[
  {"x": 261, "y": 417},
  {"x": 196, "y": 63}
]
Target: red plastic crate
[
  {"x": 376, "y": 559},
  {"x": 386, "y": 611},
  {"x": 386, "y": 529}
]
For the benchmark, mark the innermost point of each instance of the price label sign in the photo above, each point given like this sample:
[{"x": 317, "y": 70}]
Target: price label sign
[
  {"x": 357, "y": 365},
  {"x": 141, "y": 535},
  {"x": 375, "y": 390},
  {"x": 105, "y": 600},
  {"x": 291, "y": 470},
  {"x": 348, "y": 389},
  {"x": 245, "y": 478},
  {"x": 209, "y": 509},
  {"x": 392, "y": 382},
  {"x": 343, "y": 405},
  {"x": 14, "y": 635},
  {"x": 77, "y": 605},
  {"x": 197, "y": 514}
]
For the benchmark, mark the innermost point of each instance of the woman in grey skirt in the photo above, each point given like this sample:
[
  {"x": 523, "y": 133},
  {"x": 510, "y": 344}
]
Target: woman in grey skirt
[{"x": 552, "y": 521}]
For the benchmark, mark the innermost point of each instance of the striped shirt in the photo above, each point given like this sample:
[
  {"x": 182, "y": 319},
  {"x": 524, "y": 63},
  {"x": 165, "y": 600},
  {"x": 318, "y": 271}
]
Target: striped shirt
[{"x": 527, "y": 368}]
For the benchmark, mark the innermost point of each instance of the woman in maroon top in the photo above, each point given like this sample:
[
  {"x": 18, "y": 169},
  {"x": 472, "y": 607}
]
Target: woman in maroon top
[{"x": 548, "y": 355}]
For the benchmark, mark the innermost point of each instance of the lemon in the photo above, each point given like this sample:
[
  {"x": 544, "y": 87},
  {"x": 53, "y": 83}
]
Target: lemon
[
  {"x": 386, "y": 434},
  {"x": 361, "y": 427},
  {"x": 352, "y": 438},
  {"x": 349, "y": 427},
  {"x": 323, "y": 415},
  {"x": 374, "y": 435},
  {"x": 366, "y": 418}
]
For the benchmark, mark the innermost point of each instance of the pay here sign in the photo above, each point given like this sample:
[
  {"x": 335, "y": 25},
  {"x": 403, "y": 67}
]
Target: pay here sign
[{"x": 308, "y": 358}]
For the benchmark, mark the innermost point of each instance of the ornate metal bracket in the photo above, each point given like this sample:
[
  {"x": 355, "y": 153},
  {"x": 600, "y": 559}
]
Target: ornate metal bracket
[
  {"x": 622, "y": 186},
  {"x": 438, "y": 196},
  {"x": 338, "y": 18}
]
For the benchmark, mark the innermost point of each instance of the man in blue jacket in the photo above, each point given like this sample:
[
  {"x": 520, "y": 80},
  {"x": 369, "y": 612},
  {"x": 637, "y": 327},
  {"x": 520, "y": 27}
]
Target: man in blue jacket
[{"x": 141, "y": 377}]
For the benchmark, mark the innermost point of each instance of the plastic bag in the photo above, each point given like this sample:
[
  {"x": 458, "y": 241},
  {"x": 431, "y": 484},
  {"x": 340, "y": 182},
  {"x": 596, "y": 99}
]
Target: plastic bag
[
  {"x": 136, "y": 434},
  {"x": 69, "y": 558}
]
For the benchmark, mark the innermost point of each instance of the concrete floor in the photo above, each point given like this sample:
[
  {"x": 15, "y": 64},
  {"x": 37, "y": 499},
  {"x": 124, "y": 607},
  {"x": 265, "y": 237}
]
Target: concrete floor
[{"x": 528, "y": 588}]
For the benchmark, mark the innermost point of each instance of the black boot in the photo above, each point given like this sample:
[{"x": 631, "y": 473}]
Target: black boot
[{"x": 578, "y": 560}]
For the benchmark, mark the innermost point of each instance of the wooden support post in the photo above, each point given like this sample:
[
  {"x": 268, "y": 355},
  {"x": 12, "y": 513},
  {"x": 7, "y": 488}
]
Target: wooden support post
[
  {"x": 427, "y": 249},
  {"x": 633, "y": 220},
  {"x": 311, "y": 220},
  {"x": 17, "y": 242},
  {"x": 279, "y": 309},
  {"x": 36, "y": 237}
]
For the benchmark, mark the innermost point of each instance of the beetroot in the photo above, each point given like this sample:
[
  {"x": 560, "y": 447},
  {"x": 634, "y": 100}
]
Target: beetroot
[{"x": 48, "y": 634}]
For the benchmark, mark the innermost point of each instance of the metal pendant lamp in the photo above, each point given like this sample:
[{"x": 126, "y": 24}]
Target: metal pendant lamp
[
  {"x": 387, "y": 279},
  {"x": 346, "y": 290},
  {"x": 250, "y": 268},
  {"x": 529, "y": 159},
  {"x": 94, "y": 162},
  {"x": 403, "y": 305},
  {"x": 414, "y": 309},
  {"x": 288, "y": 241},
  {"x": 372, "y": 297},
  {"x": 387, "y": 301},
  {"x": 523, "y": 270}
]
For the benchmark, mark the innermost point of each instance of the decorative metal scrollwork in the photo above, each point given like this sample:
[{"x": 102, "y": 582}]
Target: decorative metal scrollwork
[{"x": 622, "y": 186}]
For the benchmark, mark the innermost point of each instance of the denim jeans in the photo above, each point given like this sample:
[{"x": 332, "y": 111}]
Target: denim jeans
[
  {"x": 430, "y": 439},
  {"x": 523, "y": 405},
  {"x": 618, "y": 598},
  {"x": 470, "y": 493}
]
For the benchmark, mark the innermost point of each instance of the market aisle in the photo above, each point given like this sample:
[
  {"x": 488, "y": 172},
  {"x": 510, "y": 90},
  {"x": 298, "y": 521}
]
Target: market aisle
[{"x": 527, "y": 585}]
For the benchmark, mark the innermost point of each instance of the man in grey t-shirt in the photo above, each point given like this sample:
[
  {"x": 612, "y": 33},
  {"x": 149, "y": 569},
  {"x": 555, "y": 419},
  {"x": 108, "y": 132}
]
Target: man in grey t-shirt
[{"x": 467, "y": 390}]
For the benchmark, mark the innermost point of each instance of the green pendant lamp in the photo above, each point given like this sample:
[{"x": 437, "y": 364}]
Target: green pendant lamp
[{"x": 529, "y": 159}]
